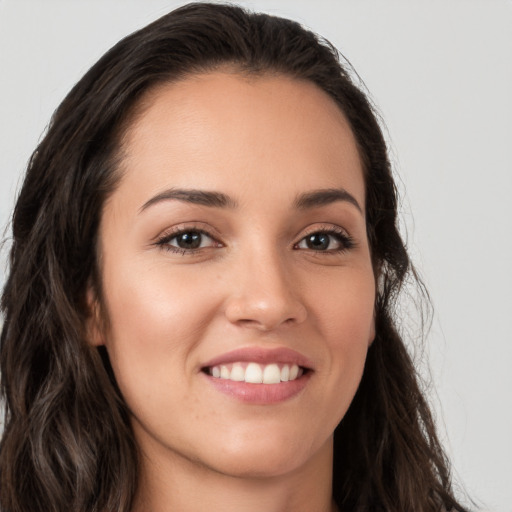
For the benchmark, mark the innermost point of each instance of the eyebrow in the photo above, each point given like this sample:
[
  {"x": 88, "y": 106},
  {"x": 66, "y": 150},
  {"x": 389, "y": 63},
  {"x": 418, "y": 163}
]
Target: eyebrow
[
  {"x": 323, "y": 197},
  {"x": 313, "y": 199},
  {"x": 200, "y": 197}
]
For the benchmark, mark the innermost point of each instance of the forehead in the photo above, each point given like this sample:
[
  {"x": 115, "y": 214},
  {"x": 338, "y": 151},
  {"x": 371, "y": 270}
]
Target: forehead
[{"x": 224, "y": 129}]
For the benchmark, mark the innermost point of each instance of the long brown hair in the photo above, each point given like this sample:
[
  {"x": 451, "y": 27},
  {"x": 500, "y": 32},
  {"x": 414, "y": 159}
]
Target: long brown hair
[{"x": 67, "y": 442}]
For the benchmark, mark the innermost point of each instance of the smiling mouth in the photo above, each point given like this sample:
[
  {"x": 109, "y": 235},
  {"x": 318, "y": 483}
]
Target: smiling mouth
[{"x": 255, "y": 373}]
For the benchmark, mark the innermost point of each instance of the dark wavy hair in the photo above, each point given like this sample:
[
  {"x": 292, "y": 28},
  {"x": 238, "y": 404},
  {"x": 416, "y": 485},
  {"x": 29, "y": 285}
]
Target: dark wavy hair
[{"x": 67, "y": 442}]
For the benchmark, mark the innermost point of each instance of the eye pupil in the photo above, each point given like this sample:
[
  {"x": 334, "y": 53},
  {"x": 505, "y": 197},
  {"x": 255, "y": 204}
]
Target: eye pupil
[
  {"x": 189, "y": 240},
  {"x": 318, "y": 241}
]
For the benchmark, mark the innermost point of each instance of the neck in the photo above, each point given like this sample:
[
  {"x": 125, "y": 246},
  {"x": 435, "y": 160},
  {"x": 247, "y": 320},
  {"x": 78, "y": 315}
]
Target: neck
[{"x": 177, "y": 483}]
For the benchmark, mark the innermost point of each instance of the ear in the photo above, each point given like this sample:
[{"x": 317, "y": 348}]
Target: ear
[{"x": 94, "y": 323}]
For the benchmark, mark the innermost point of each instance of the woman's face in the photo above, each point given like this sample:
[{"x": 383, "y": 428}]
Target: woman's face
[{"x": 234, "y": 251}]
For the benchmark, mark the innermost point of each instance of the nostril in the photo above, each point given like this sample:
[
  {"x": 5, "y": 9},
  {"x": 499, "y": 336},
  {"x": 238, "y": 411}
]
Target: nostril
[{"x": 265, "y": 315}]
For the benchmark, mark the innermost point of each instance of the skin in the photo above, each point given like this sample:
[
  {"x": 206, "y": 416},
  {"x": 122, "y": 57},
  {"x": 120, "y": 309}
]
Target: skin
[{"x": 262, "y": 141}]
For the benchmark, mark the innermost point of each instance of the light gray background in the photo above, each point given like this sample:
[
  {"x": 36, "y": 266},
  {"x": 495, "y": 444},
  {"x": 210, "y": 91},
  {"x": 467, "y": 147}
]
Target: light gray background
[{"x": 441, "y": 73}]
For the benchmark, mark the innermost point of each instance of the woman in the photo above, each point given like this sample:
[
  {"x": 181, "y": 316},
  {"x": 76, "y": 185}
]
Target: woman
[{"x": 199, "y": 310}]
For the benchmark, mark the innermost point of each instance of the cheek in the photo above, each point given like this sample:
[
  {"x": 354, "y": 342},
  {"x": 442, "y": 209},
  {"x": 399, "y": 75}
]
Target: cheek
[
  {"x": 156, "y": 318},
  {"x": 344, "y": 309},
  {"x": 345, "y": 306},
  {"x": 158, "y": 297}
]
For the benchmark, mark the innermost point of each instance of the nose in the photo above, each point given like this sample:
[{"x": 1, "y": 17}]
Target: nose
[{"x": 265, "y": 294}]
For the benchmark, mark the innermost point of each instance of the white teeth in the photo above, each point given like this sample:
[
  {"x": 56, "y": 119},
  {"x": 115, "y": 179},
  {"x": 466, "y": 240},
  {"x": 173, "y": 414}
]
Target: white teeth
[
  {"x": 224, "y": 372},
  {"x": 254, "y": 373},
  {"x": 271, "y": 374},
  {"x": 237, "y": 372}
]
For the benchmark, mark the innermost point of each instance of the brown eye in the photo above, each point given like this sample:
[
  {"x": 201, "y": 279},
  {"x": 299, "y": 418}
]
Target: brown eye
[
  {"x": 326, "y": 241},
  {"x": 189, "y": 240},
  {"x": 318, "y": 241}
]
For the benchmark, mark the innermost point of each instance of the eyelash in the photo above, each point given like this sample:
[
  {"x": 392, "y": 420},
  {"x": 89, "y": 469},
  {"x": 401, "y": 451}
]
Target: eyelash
[
  {"x": 345, "y": 240},
  {"x": 163, "y": 242}
]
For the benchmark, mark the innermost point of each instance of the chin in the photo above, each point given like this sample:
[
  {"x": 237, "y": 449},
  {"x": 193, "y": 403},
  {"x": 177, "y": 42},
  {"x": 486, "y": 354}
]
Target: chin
[
  {"x": 258, "y": 466},
  {"x": 265, "y": 456}
]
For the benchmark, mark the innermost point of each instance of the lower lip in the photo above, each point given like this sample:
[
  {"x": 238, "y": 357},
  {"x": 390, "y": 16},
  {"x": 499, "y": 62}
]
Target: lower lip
[{"x": 260, "y": 394}]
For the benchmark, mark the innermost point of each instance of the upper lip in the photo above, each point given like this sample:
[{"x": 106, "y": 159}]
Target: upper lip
[{"x": 261, "y": 355}]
